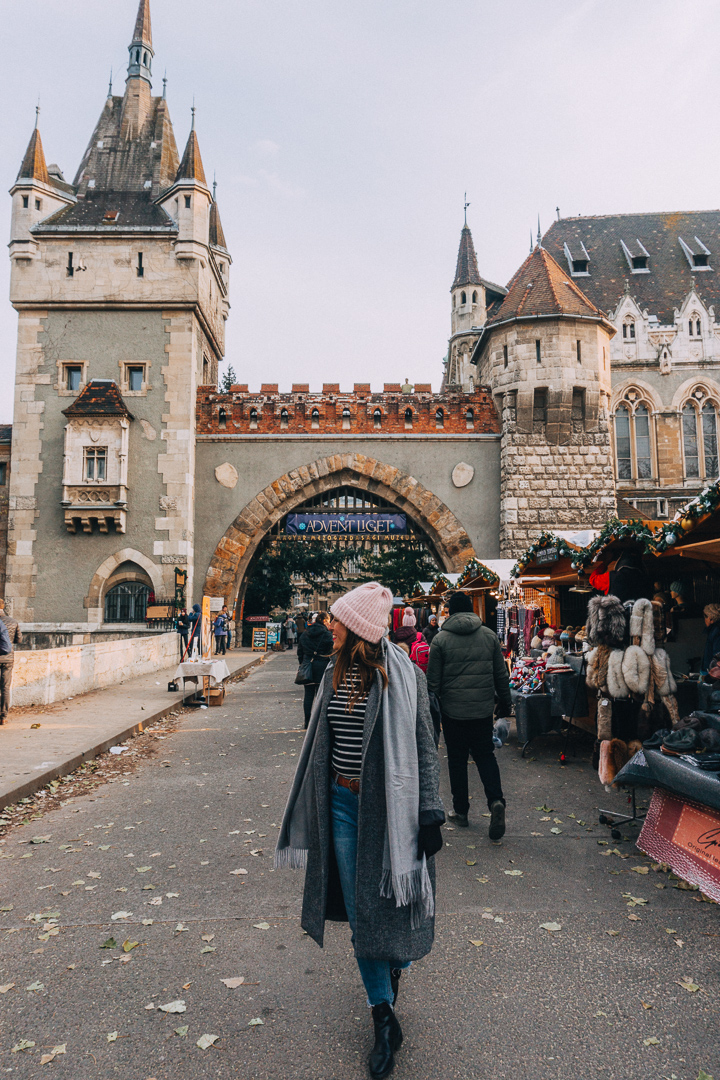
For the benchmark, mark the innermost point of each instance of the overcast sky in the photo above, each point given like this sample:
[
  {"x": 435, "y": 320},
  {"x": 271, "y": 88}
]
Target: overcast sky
[{"x": 344, "y": 133}]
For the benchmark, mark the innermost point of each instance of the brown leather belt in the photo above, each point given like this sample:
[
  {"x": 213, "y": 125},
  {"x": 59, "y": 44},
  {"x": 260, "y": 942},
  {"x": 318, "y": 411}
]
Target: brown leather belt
[{"x": 346, "y": 782}]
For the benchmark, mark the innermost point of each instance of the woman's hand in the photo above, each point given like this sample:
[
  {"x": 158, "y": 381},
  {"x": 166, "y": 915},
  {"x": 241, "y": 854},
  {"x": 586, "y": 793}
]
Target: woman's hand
[{"x": 430, "y": 841}]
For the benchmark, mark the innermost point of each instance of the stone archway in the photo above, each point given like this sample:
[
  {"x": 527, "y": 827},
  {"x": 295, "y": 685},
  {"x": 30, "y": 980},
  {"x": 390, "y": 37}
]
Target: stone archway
[{"x": 237, "y": 547}]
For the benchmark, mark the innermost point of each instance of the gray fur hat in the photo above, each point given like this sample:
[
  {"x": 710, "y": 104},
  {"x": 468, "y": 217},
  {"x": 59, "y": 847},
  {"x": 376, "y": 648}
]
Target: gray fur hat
[{"x": 606, "y": 622}]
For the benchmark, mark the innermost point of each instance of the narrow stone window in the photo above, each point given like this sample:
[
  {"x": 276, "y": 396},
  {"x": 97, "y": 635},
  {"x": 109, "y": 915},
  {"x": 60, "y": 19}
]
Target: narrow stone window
[
  {"x": 315, "y": 419},
  {"x": 284, "y": 419},
  {"x": 690, "y": 441},
  {"x": 439, "y": 419},
  {"x": 95, "y": 463},
  {"x": 474, "y": 297},
  {"x": 577, "y": 413},
  {"x": 538, "y": 353},
  {"x": 3, "y": 473},
  {"x": 578, "y": 348},
  {"x": 642, "y": 443},
  {"x": 26, "y": 201},
  {"x": 469, "y": 420},
  {"x": 629, "y": 329},
  {"x": 73, "y": 377},
  {"x": 140, "y": 267},
  {"x": 505, "y": 356},
  {"x": 408, "y": 418},
  {"x": 38, "y": 204},
  {"x": 253, "y": 419},
  {"x": 222, "y": 419},
  {"x": 70, "y": 267},
  {"x": 187, "y": 202},
  {"x": 710, "y": 440},
  {"x": 346, "y": 419},
  {"x": 511, "y": 405},
  {"x": 135, "y": 379},
  {"x": 540, "y": 405},
  {"x": 463, "y": 298}
]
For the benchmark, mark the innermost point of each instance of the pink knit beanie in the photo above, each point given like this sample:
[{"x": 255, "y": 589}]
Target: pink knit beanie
[
  {"x": 365, "y": 610},
  {"x": 409, "y": 617}
]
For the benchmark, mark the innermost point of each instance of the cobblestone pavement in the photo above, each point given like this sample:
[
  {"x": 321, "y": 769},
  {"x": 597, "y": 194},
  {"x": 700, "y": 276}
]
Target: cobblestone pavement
[{"x": 176, "y": 856}]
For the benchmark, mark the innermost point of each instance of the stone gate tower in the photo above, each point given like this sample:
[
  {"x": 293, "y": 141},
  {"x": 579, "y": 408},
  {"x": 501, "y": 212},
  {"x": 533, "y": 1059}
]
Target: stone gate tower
[
  {"x": 545, "y": 353},
  {"x": 120, "y": 281}
]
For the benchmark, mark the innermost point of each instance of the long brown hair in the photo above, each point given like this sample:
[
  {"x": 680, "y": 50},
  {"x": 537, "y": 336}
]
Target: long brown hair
[{"x": 362, "y": 659}]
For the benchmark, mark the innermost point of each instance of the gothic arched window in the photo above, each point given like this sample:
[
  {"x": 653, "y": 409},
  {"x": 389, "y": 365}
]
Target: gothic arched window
[
  {"x": 222, "y": 418},
  {"x": 377, "y": 419},
  {"x": 474, "y": 296},
  {"x": 694, "y": 325},
  {"x": 315, "y": 418},
  {"x": 629, "y": 329},
  {"x": 463, "y": 298},
  {"x": 633, "y": 439},
  {"x": 284, "y": 418},
  {"x": 346, "y": 418},
  {"x": 700, "y": 440},
  {"x": 253, "y": 418},
  {"x": 127, "y": 602}
]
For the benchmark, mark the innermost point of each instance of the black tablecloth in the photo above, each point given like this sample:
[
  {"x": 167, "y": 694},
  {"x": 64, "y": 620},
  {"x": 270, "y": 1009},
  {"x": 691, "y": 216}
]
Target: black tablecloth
[{"x": 652, "y": 768}]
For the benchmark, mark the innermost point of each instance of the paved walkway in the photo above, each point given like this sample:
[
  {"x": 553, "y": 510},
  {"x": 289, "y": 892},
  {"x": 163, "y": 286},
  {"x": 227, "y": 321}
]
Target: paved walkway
[
  {"x": 39, "y": 744},
  {"x": 139, "y": 861}
]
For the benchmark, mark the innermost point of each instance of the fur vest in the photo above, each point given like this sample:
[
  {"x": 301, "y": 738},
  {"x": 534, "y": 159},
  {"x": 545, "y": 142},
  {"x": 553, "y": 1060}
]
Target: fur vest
[
  {"x": 636, "y": 670},
  {"x": 617, "y": 687}
]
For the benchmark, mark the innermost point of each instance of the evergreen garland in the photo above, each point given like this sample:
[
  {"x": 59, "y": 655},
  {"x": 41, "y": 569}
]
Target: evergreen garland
[
  {"x": 613, "y": 530},
  {"x": 546, "y": 539},
  {"x": 476, "y": 569},
  {"x": 686, "y": 518}
]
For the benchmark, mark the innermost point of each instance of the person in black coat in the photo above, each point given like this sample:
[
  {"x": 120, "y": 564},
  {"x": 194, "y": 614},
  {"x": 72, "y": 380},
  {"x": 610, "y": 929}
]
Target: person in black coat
[
  {"x": 316, "y": 644},
  {"x": 629, "y": 580},
  {"x": 431, "y": 630},
  {"x": 183, "y": 628}
]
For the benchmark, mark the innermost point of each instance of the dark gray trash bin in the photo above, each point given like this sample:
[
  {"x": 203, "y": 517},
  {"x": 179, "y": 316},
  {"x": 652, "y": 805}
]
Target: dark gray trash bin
[{"x": 532, "y": 716}]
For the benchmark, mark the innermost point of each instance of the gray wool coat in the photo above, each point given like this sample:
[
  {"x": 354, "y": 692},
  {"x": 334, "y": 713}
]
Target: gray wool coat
[{"x": 383, "y": 930}]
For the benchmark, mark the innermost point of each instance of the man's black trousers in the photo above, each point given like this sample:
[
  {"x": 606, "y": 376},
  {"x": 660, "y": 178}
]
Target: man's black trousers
[{"x": 471, "y": 736}]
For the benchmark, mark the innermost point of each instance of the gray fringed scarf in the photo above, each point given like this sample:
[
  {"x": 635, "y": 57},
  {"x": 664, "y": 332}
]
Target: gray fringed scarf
[{"x": 404, "y": 876}]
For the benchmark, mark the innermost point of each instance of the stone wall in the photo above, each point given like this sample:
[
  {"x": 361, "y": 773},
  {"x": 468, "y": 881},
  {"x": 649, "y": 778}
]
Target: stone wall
[{"x": 43, "y": 676}]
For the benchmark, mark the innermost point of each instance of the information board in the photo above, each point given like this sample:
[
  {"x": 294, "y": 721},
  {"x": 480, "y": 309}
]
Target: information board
[{"x": 259, "y": 639}]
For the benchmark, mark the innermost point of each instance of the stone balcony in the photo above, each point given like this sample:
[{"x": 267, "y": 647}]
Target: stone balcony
[{"x": 95, "y": 505}]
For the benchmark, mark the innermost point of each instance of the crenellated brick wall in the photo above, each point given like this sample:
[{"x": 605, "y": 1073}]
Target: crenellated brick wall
[{"x": 232, "y": 413}]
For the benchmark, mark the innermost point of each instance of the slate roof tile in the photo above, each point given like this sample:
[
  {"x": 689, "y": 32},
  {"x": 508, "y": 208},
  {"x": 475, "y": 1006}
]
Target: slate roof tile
[{"x": 101, "y": 397}]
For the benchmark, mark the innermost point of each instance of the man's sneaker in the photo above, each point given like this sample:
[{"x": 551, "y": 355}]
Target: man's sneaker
[
  {"x": 459, "y": 819},
  {"x": 497, "y": 820}
]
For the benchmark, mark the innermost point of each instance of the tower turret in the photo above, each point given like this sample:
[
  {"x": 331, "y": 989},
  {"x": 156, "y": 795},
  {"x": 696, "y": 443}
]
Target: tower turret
[
  {"x": 471, "y": 296},
  {"x": 141, "y": 48},
  {"x": 35, "y": 195},
  {"x": 189, "y": 201}
]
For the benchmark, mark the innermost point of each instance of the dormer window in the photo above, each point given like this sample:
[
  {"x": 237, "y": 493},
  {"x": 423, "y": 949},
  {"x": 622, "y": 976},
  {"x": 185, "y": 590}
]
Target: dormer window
[
  {"x": 696, "y": 253},
  {"x": 578, "y": 259},
  {"x": 639, "y": 262},
  {"x": 580, "y": 266},
  {"x": 637, "y": 257}
]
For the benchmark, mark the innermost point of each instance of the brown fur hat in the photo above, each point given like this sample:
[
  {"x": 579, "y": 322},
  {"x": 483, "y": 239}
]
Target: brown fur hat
[{"x": 606, "y": 622}]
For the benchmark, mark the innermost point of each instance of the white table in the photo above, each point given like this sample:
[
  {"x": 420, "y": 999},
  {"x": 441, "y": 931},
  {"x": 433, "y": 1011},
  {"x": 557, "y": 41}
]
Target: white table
[{"x": 217, "y": 670}]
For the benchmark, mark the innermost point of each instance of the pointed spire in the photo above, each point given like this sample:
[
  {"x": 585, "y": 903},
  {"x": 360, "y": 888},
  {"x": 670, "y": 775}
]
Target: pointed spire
[
  {"x": 214, "y": 187},
  {"x": 217, "y": 236},
  {"x": 466, "y": 271},
  {"x": 143, "y": 27},
  {"x": 539, "y": 234},
  {"x": 141, "y": 47},
  {"x": 33, "y": 165},
  {"x": 465, "y": 207},
  {"x": 191, "y": 166},
  {"x": 165, "y": 86},
  {"x": 110, "y": 84}
]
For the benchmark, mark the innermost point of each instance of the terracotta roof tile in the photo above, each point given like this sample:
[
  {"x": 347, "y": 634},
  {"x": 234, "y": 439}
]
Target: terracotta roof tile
[
  {"x": 191, "y": 166},
  {"x": 540, "y": 288},
  {"x": 33, "y": 164},
  {"x": 101, "y": 397}
]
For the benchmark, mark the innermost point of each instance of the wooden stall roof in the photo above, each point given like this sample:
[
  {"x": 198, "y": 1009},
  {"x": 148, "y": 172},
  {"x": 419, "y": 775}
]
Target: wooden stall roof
[
  {"x": 477, "y": 576},
  {"x": 550, "y": 558},
  {"x": 694, "y": 532}
]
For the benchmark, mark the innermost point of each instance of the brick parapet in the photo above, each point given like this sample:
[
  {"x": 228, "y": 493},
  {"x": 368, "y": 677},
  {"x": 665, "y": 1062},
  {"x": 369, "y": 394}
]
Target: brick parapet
[{"x": 230, "y": 413}]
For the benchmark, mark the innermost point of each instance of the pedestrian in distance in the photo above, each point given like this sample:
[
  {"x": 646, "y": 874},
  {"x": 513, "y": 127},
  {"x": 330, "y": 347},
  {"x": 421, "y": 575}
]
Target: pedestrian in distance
[
  {"x": 467, "y": 671},
  {"x": 431, "y": 630},
  {"x": 183, "y": 629},
  {"x": 407, "y": 633},
  {"x": 10, "y": 636},
  {"x": 364, "y": 813},
  {"x": 315, "y": 645},
  {"x": 291, "y": 632},
  {"x": 195, "y": 621},
  {"x": 220, "y": 631},
  {"x": 283, "y": 632}
]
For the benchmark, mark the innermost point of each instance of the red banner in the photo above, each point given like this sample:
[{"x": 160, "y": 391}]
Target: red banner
[{"x": 686, "y": 836}]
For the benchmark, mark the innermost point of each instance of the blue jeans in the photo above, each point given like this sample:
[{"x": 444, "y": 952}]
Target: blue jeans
[{"x": 344, "y": 808}]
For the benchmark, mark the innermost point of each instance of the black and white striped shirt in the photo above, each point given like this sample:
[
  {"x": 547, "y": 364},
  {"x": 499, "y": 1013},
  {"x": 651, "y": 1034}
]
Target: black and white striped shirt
[{"x": 347, "y": 728}]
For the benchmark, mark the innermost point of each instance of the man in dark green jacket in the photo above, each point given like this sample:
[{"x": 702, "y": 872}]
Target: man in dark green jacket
[{"x": 467, "y": 671}]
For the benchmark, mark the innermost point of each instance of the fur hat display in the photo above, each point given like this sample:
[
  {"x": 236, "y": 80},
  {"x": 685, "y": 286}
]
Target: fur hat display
[
  {"x": 662, "y": 673},
  {"x": 606, "y": 621},
  {"x": 604, "y": 718},
  {"x": 642, "y": 626},
  {"x": 636, "y": 669}
]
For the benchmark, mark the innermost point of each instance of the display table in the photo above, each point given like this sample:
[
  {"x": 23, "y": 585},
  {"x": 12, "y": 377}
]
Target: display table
[
  {"x": 682, "y": 827},
  {"x": 207, "y": 670}
]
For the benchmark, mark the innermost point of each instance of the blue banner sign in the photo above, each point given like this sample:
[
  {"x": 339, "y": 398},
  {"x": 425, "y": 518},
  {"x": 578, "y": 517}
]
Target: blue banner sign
[{"x": 346, "y": 524}]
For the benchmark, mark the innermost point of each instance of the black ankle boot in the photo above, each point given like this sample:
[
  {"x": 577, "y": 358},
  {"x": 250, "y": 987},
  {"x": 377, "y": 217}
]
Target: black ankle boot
[
  {"x": 395, "y": 974},
  {"x": 388, "y": 1038}
]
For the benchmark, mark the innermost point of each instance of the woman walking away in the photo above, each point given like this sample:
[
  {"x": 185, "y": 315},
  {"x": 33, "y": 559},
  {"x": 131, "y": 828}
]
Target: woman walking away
[
  {"x": 364, "y": 813},
  {"x": 291, "y": 630},
  {"x": 314, "y": 645},
  {"x": 406, "y": 634}
]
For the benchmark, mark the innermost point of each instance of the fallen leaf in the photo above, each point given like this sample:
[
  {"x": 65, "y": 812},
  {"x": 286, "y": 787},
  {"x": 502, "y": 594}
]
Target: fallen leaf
[
  {"x": 476, "y": 943},
  {"x": 513, "y": 873},
  {"x": 612, "y": 933},
  {"x": 207, "y": 937},
  {"x": 634, "y": 918},
  {"x": 143, "y": 869},
  {"x": 112, "y": 1036},
  {"x": 24, "y": 1044},
  {"x": 551, "y": 927},
  {"x": 232, "y": 984},
  {"x": 679, "y": 942},
  {"x": 121, "y": 915},
  {"x": 173, "y": 1007},
  {"x": 207, "y": 1040},
  {"x": 186, "y": 986},
  {"x": 170, "y": 895},
  {"x": 238, "y": 871},
  {"x": 35, "y": 986},
  {"x": 558, "y": 821},
  {"x": 687, "y": 984},
  {"x": 180, "y": 929},
  {"x": 545, "y": 809},
  {"x": 652, "y": 1041},
  {"x": 208, "y": 948},
  {"x": 645, "y": 1005},
  {"x": 128, "y": 945},
  {"x": 182, "y": 1031},
  {"x": 471, "y": 862},
  {"x": 669, "y": 931},
  {"x": 257, "y": 1021},
  {"x": 536, "y": 834},
  {"x": 640, "y": 869},
  {"x": 261, "y": 925},
  {"x": 4, "y": 989},
  {"x": 104, "y": 847},
  {"x": 150, "y": 1006},
  {"x": 556, "y": 831}
]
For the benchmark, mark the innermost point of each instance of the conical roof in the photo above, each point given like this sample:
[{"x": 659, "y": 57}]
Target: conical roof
[
  {"x": 217, "y": 236},
  {"x": 541, "y": 287},
  {"x": 191, "y": 166},
  {"x": 143, "y": 27},
  {"x": 466, "y": 272},
  {"x": 33, "y": 165}
]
